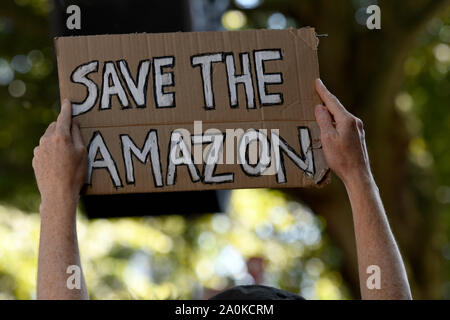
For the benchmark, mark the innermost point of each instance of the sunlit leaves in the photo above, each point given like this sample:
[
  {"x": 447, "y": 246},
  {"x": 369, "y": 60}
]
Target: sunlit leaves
[{"x": 172, "y": 257}]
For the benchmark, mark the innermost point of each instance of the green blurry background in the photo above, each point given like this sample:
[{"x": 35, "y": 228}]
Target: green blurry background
[{"x": 396, "y": 79}]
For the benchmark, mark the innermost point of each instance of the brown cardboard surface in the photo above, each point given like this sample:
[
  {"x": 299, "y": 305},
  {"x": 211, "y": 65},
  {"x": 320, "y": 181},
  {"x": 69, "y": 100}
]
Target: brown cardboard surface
[{"x": 297, "y": 66}]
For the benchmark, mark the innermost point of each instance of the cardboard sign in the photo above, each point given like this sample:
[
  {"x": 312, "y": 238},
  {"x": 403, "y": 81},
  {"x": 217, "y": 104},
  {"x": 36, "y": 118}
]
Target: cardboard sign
[{"x": 195, "y": 111}]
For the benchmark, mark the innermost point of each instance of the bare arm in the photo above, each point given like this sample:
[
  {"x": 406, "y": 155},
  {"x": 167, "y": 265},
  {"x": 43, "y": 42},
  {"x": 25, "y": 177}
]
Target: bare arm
[
  {"x": 60, "y": 164},
  {"x": 343, "y": 142}
]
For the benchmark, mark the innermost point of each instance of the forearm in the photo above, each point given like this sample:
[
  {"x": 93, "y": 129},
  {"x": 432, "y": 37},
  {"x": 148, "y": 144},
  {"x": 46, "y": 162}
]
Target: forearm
[
  {"x": 375, "y": 242},
  {"x": 58, "y": 249}
]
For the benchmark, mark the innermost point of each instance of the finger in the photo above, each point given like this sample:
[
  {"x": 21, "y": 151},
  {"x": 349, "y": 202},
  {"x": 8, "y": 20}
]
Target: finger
[
  {"x": 50, "y": 130},
  {"x": 76, "y": 136},
  {"x": 65, "y": 118},
  {"x": 323, "y": 118},
  {"x": 332, "y": 103}
]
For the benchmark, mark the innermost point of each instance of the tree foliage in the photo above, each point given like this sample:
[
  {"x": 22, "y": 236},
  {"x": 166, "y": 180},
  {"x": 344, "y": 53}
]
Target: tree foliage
[{"x": 175, "y": 258}]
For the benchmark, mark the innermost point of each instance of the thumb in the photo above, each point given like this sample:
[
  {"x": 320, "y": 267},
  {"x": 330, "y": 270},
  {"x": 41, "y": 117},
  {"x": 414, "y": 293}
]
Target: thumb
[{"x": 324, "y": 120}]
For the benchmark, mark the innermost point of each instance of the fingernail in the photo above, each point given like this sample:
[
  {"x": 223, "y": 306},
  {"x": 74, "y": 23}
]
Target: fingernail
[{"x": 320, "y": 81}]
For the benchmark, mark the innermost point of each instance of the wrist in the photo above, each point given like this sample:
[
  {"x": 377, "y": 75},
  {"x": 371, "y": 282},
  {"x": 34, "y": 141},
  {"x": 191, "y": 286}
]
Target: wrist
[
  {"x": 359, "y": 180},
  {"x": 59, "y": 195},
  {"x": 59, "y": 206}
]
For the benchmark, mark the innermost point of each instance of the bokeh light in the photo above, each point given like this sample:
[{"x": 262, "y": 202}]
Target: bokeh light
[
  {"x": 154, "y": 258},
  {"x": 442, "y": 52},
  {"x": 21, "y": 63},
  {"x": 404, "y": 102},
  {"x": 17, "y": 88},
  {"x": 234, "y": 19},
  {"x": 247, "y": 4},
  {"x": 277, "y": 20},
  {"x": 6, "y": 72},
  {"x": 444, "y": 34}
]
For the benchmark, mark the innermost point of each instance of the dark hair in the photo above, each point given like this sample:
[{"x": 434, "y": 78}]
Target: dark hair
[{"x": 256, "y": 292}]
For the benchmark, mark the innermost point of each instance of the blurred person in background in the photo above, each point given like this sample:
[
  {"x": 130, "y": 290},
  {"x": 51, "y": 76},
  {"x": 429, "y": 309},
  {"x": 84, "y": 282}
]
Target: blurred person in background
[{"x": 60, "y": 165}]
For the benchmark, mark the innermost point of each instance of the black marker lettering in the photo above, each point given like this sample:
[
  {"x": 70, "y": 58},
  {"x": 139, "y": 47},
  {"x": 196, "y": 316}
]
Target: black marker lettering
[
  {"x": 264, "y": 154},
  {"x": 304, "y": 162},
  {"x": 213, "y": 157},
  {"x": 264, "y": 79},
  {"x": 138, "y": 90},
  {"x": 177, "y": 145},
  {"x": 161, "y": 80},
  {"x": 97, "y": 145},
  {"x": 79, "y": 75},
  {"x": 245, "y": 78},
  {"x": 150, "y": 148},
  {"x": 111, "y": 87},
  {"x": 206, "y": 61}
]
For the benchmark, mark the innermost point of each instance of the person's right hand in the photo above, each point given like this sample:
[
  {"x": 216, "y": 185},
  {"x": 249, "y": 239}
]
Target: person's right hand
[
  {"x": 342, "y": 137},
  {"x": 60, "y": 160}
]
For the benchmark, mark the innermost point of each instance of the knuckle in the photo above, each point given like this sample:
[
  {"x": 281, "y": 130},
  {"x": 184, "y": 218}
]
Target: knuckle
[
  {"x": 351, "y": 121},
  {"x": 61, "y": 138},
  {"x": 43, "y": 140},
  {"x": 82, "y": 152},
  {"x": 360, "y": 123}
]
